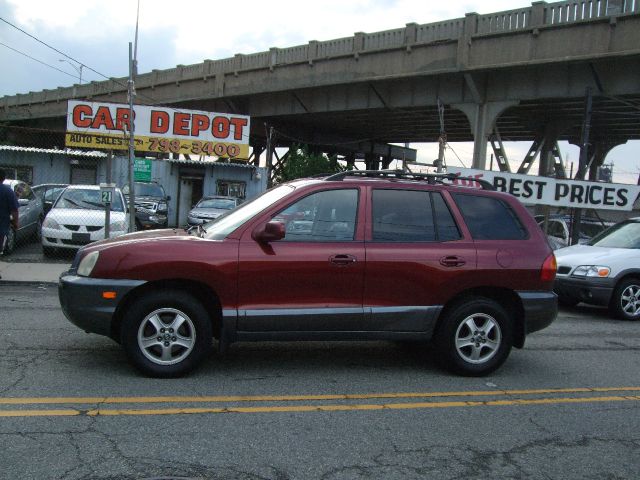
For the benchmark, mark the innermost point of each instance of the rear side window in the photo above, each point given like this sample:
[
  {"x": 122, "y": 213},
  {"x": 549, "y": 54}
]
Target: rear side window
[
  {"x": 411, "y": 216},
  {"x": 489, "y": 218}
]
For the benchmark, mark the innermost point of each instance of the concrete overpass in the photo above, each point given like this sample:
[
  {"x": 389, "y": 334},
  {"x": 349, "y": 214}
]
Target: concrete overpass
[{"x": 521, "y": 74}]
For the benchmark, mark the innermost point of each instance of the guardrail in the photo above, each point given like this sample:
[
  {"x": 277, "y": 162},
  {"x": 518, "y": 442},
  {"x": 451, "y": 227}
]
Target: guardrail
[{"x": 539, "y": 14}]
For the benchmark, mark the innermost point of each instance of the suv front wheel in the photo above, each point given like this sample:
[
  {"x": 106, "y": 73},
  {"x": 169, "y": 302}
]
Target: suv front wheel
[
  {"x": 166, "y": 333},
  {"x": 475, "y": 337}
]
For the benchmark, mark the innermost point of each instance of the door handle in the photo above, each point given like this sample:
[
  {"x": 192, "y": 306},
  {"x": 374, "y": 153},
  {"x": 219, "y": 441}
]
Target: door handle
[
  {"x": 342, "y": 259},
  {"x": 452, "y": 261}
]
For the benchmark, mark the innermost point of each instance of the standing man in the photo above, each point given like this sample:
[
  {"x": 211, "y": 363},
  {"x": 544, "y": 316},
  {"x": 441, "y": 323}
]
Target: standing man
[{"x": 8, "y": 210}]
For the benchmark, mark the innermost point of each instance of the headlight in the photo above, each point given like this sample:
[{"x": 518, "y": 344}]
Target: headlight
[
  {"x": 118, "y": 226},
  {"x": 87, "y": 264},
  {"x": 591, "y": 271},
  {"x": 162, "y": 206},
  {"x": 50, "y": 223}
]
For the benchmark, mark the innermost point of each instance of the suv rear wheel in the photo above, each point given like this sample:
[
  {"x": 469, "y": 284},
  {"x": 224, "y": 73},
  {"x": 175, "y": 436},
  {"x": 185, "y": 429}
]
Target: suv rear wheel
[
  {"x": 166, "y": 333},
  {"x": 475, "y": 337}
]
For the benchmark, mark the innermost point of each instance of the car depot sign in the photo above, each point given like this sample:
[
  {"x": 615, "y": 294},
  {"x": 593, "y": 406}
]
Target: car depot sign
[
  {"x": 556, "y": 192},
  {"x": 161, "y": 130}
]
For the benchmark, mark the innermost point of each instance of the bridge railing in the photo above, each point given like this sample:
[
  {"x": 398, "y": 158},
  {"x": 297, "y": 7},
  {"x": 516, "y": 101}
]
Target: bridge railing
[
  {"x": 575, "y": 11},
  {"x": 505, "y": 21}
]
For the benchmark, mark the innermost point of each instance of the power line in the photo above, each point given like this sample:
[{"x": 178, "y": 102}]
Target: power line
[
  {"x": 36, "y": 60},
  {"x": 52, "y": 48}
]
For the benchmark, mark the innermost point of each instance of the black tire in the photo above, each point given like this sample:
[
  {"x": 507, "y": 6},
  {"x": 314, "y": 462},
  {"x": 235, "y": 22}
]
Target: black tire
[
  {"x": 567, "y": 302},
  {"x": 49, "y": 252},
  {"x": 625, "y": 302},
  {"x": 183, "y": 348},
  {"x": 490, "y": 341}
]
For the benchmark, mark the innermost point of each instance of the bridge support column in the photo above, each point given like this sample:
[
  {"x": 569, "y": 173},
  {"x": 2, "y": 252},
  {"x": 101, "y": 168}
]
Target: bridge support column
[
  {"x": 600, "y": 151},
  {"x": 482, "y": 118},
  {"x": 371, "y": 161}
]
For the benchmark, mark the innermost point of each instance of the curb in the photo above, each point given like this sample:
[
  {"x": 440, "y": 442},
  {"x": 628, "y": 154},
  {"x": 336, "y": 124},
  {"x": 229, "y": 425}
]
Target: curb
[{"x": 26, "y": 282}]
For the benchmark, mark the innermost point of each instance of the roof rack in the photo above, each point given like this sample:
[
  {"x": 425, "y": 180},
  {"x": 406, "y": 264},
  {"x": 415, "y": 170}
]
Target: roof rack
[{"x": 430, "y": 178}]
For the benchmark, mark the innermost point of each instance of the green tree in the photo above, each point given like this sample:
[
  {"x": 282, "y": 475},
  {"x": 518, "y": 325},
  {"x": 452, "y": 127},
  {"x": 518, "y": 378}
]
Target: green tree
[{"x": 301, "y": 164}]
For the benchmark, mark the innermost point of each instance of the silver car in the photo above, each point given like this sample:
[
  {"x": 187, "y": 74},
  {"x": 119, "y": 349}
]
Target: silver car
[
  {"x": 30, "y": 215},
  {"x": 209, "y": 208}
]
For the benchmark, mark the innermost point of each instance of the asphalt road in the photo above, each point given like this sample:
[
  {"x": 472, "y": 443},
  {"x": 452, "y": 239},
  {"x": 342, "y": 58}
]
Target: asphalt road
[{"x": 567, "y": 406}]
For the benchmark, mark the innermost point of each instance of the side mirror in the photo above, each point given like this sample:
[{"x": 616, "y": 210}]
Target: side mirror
[
  {"x": 168, "y": 198},
  {"x": 268, "y": 233}
]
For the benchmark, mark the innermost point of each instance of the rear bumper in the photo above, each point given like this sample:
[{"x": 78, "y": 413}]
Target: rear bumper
[
  {"x": 83, "y": 304},
  {"x": 595, "y": 291},
  {"x": 540, "y": 310}
]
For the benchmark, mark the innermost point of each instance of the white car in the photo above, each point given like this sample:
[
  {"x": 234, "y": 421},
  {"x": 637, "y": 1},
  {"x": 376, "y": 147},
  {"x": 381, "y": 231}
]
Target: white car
[
  {"x": 606, "y": 271},
  {"x": 78, "y": 218}
]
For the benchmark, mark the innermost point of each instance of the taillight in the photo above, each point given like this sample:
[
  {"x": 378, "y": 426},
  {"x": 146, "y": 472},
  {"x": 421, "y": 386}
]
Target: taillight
[{"x": 549, "y": 267}]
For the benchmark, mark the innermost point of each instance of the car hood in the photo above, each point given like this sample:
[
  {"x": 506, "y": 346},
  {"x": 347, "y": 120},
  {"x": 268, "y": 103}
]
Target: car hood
[
  {"x": 208, "y": 211},
  {"x": 83, "y": 216},
  {"x": 147, "y": 198},
  {"x": 588, "y": 255},
  {"x": 142, "y": 237}
]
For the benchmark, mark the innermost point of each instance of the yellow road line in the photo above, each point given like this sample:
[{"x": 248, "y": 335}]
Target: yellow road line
[
  {"x": 317, "y": 408},
  {"x": 297, "y": 398}
]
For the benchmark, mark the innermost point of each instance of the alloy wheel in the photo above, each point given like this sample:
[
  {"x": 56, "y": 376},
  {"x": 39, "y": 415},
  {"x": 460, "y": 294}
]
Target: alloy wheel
[
  {"x": 478, "y": 338},
  {"x": 166, "y": 336}
]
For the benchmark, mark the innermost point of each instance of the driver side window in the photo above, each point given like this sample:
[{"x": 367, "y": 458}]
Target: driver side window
[{"x": 328, "y": 216}]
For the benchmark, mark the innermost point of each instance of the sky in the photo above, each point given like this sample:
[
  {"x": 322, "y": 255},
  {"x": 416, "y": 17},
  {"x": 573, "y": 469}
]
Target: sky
[{"x": 97, "y": 33}]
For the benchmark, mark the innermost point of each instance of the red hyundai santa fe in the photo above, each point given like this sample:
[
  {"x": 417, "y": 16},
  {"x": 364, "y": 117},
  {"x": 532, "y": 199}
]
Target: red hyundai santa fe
[{"x": 359, "y": 255}]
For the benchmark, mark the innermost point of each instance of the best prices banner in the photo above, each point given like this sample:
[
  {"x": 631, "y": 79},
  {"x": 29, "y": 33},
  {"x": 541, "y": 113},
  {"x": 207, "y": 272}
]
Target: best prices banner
[
  {"x": 157, "y": 129},
  {"x": 557, "y": 192}
]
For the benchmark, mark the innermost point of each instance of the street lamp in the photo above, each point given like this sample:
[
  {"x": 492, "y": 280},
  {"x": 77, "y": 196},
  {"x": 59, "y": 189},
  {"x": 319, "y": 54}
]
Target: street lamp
[{"x": 76, "y": 68}]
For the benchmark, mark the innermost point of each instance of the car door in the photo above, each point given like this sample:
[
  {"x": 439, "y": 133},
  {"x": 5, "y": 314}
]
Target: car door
[
  {"x": 417, "y": 257},
  {"x": 312, "y": 279},
  {"x": 28, "y": 211}
]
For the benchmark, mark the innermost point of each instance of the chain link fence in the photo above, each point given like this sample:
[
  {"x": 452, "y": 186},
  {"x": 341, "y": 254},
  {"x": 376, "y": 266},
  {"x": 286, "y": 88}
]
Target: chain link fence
[
  {"x": 53, "y": 221},
  {"x": 63, "y": 207}
]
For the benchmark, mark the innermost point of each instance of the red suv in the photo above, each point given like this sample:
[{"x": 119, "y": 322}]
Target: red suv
[{"x": 360, "y": 255}]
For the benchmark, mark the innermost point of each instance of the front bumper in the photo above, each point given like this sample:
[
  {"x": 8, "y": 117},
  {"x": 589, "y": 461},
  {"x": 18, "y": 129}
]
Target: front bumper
[
  {"x": 83, "y": 304},
  {"x": 152, "y": 220},
  {"x": 595, "y": 291},
  {"x": 540, "y": 310}
]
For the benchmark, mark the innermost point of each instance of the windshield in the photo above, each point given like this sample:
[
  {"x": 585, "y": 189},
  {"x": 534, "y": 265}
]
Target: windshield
[
  {"x": 145, "y": 190},
  {"x": 589, "y": 230},
  {"x": 227, "y": 223},
  {"x": 622, "y": 235},
  {"x": 87, "y": 200},
  {"x": 222, "y": 203}
]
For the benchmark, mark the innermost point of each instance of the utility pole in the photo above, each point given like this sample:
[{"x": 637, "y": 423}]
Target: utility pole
[
  {"x": 269, "y": 154},
  {"x": 107, "y": 207},
  {"x": 442, "y": 139},
  {"x": 583, "y": 161},
  {"x": 132, "y": 193}
]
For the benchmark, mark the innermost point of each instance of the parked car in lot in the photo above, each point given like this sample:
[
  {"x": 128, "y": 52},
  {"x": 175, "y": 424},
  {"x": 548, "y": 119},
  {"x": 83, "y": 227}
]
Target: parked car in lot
[
  {"x": 151, "y": 203},
  {"x": 48, "y": 193},
  {"x": 559, "y": 229},
  {"x": 30, "y": 216},
  {"x": 78, "y": 218},
  {"x": 606, "y": 271},
  {"x": 209, "y": 208},
  {"x": 384, "y": 255}
]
